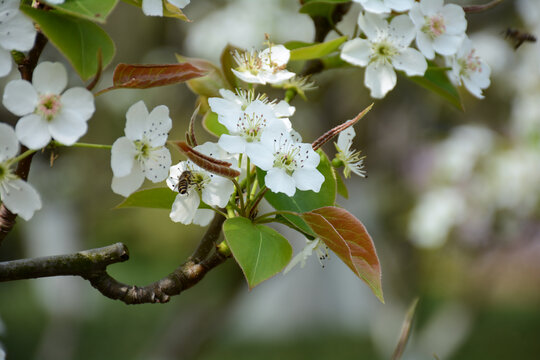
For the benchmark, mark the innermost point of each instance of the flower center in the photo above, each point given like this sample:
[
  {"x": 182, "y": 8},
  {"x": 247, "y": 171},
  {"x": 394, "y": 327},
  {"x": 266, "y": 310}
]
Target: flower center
[
  {"x": 250, "y": 126},
  {"x": 470, "y": 63},
  {"x": 248, "y": 62},
  {"x": 49, "y": 105},
  {"x": 434, "y": 26},
  {"x": 143, "y": 149},
  {"x": 287, "y": 155},
  {"x": 5, "y": 173},
  {"x": 383, "y": 52}
]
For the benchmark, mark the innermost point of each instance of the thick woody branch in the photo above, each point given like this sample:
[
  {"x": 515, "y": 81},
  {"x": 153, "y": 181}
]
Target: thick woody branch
[{"x": 92, "y": 266}]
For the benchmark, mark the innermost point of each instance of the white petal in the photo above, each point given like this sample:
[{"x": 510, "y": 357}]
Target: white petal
[
  {"x": 278, "y": 180},
  {"x": 184, "y": 207},
  {"x": 203, "y": 217},
  {"x": 283, "y": 109},
  {"x": 152, "y": 7},
  {"x": 447, "y": 44},
  {"x": 20, "y": 97},
  {"x": 159, "y": 124},
  {"x": 307, "y": 179},
  {"x": 473, "y": 87},
  {"x": 79, "y": 102},
  {"x": 310, "y": 157},
  {"x": 5, "y": 62},
  {"x": 233, "y": 144},
  {"x": 156, "y": 167},
  {"x": 425, "y": 45},
  {"x": 356, "y": 52},
  {"x": 33, "y": 131},
  {"x": 248, "y": 77},
  {"x": 277, "y": 54},
  {"x": 20, "y": 198},
  {"x": 9, "y": 146},
  {"x": 375, "y": 6},
  {"x": 179, "y": 3},
  {"x": 260, "y": 155},
  {"x": 431, "y": 7},
  {"x": 225, "y": 108},
  {"x": 455, "y": 19},
  {"x": 402, "y": 30},
  {"x": 416, "y": 16},
  {"x": 372, "y": 25},
  {"x": 345, "y": 138},
  {"x": 126, "y": 185},
  {"x": 21, "y": 33},
  {"x": 122, "y": 156},
  {"x": 399, "y": 5},
  {"x": 50, "y": 78},
  {"x": 411, "y": 61},
  {"x": 380, "y": 79},
  {"x": 218, "y": 191},
  {"x": 66, "y": 128},
  {"x": 136, "y": 121},
  {"x": 481, "y": 78}
]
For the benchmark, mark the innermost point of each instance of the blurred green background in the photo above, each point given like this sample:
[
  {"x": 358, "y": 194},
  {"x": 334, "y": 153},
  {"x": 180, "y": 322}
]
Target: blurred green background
[{"x": 451, "y": 201}]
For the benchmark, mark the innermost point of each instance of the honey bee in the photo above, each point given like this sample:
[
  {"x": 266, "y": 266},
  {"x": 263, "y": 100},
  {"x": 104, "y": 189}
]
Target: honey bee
[
  {"x": 184, "y": 180},
  {"x": 519, "y": 37}
]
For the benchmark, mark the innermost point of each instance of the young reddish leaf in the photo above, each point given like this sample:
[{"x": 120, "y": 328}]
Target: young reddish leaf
[
  {"x": 215, "y": 166},
  {"x": 135, "y": 76},
  {"x": 346, "y": 236}
]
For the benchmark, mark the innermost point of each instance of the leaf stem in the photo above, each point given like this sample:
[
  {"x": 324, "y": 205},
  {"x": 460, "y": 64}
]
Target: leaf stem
[
  {"x": 85, "y": 145},
  {"x": 278, "y": 212},
  {"x": 240, "y": 196},
  {"x": 22, "y": 156}
]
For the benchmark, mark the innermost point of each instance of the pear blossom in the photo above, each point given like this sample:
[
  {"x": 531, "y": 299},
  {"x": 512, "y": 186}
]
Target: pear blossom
[
  {"x": 17, "y": 195},
  {"x": 439, "y": 29},
  {"x": 246, "y": 125},
  {"x": 351, "y": 159},
  {"x": 17, "y": 32},
  {"x": 386, "y": 48},
  {"x": 142, "y": 152},
  {"x": 267, "y": 66},
  {"x": 46, "y": 111},
  {"x": 385, "y": 6},
  {"x": 155, "y": 7},
  {"x": 214, "y": 190},
  {"x": 468, "y": 68},
  {"x": 289, "y": 164},
  {"x": 320, "y": 248}
]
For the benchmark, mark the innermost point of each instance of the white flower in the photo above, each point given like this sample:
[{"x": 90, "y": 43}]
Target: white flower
[
  {"x": 386, "y": 48},
  {"x": 289, "y": 163},
  {"x": 245, "y": 125},
  {"x": 385, "y": 6},
  {"x": 16, "y": 194},
  {"x": 46, "y": 112},
  {"x": 155, "y": 7},
  {"x": 142, "y": 152},
  {"x": 16, "y": 33},
  {"x": 351, "y": 159},
  {"x": 316, "y": 245},
  {"x": 193, "y": 184},
  {"x": 55, "y": 2},
  {"x": 267, "y": 66},
  {"x": 439, "y": 29},
  {"x": 467, "y": 67}
]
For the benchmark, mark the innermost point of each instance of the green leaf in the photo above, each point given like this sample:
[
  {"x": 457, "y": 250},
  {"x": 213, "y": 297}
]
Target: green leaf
[
  {"x": 212, "y": 125},
  {"x": 208, "y": 85},
  {"x": 346, "y": 236},
  {"x": 316, "y": 51},
  {"x": 341, "y": 187},
  {"x": 260, "y": 251},
  {"x": 303, "y": 201},
  {"x": 323, "y": 8},
  {"x": 93, "y": 10},
  {"x": 227, "y": 63},
  {"x": 436, "y": 80},
  {"x": 77, "y": 39},
  {"x": 156, "y": 198}
]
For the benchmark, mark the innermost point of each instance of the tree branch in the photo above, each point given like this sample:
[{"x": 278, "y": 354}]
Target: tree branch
[{"x": 92, "y": 266}]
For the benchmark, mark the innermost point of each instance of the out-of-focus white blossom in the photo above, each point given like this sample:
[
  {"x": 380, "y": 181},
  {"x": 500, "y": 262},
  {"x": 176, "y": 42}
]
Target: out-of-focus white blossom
[
  {"x": 155, "y": 7},
  {"x": 17, "y": 32},
  {"x": 320, "y": 248},
  {"x": 385, "y": 6}
]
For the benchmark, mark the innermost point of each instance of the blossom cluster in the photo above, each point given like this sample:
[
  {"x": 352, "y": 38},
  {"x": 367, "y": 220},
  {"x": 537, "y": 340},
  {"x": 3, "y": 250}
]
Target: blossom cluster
[{"x": 435, "y": 27}]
